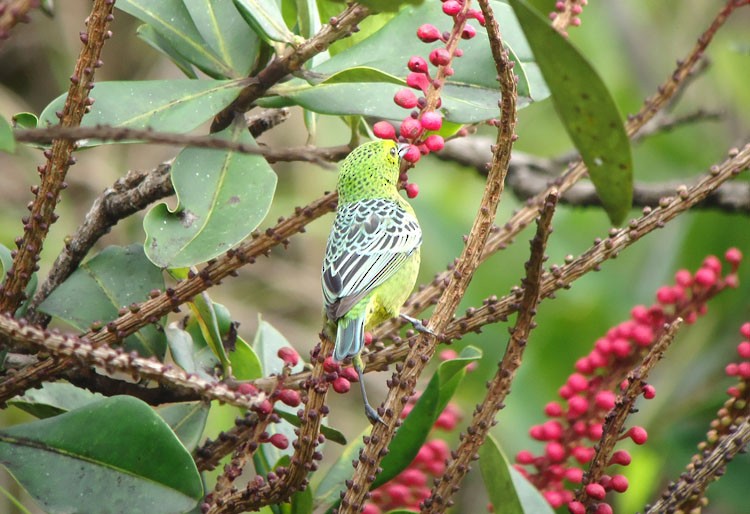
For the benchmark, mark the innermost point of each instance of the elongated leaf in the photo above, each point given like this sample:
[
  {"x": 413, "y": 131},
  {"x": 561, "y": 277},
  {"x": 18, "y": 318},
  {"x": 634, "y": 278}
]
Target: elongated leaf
[
  {"x": 265, "y": 17},
  {"x": 204, "y": 313},
  {"x": 165, "y": 105},
  {"x": 223, "y": 196},
  {"x": 190, "y": 351},
  {"x": 7, "y": 141},
  {"x": 331, "y": 434},
  {"x": 54, "y": 398},
  {"x": 187, "y": 420},
  {"x": 497, "y": 478},
  {"x": 587, "y": 111},
  {"x": 221, "y": 26},
  {"x": 470, "y": 95},
  {"x": 115, "y": 278},
  {"x": 327, "y": 489},
  {"x": 156, "y": 41},
  {"x": 115, "y": 455},
  {"x": 171, "y": 20}
]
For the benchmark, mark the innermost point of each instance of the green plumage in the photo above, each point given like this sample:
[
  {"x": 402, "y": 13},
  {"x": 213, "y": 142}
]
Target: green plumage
[{"x": 372, "y": 257}]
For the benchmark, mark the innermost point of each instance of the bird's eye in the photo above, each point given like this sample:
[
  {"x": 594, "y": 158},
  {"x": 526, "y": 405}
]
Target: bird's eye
[{"x": 394, "y": 151}]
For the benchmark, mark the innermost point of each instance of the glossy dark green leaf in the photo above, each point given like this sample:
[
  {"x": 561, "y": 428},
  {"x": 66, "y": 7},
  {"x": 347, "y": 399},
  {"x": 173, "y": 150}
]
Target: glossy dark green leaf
[
  {"x": 222, "y": 197},
  {"x": 204, "y": 313},
  {"x": 587, "y": 111},
  {"x": 222, "y": 28},
  {"x": 265, "y": 17},
  {"x": 164, "y": 105},
  {"x": 327, "y": 486},
  {"x": 331, "y": 434},
  {"x": 25, "y": 120},
  {"x": 54, "y": 398},
  {"x": 190, "y": 351},
  {"x": 187, "y": 420},
  {"x": 7, "y": 141},
  {"x": 156, "y": 41},
  {"x": 302, "y": 502},
  {"x": 172, "y": 21},
  {"x": 114, "y": 455},
  {"x": 413, "y": 432},
  {"x": 470, "y": 95},
  {"x": 114, "y": 278},
  {"x": 497, "y": 479}
]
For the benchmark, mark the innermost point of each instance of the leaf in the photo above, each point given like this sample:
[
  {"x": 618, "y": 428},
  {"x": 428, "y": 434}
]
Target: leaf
[
  {"x": 226, "y": 33},
  {"x": 222, "y": 197},
  {"x": 331, "y": 434},
  {"x": 532, "y": 500},
  {"x": 171, "y": 20},
  {"x": 469, "y": 96},
  {"x": 6, "y": 263},
  {"x": 266, "y": 19},
  {"x": 187, "y": 420},
  {"x": 115, "y": 455},
  {"x": 245, "y": 363},
  {"x": 163, "y": 105},
  {"x": 302, "y": 502},
  {"x": 205, "y": 315},
  {"x": 587, "y": 111},
  {"x": 114, "y": 278},
  {"x": 327, "y": 489},
  {"x": 54, "y": 398},
  {"x": 497, "y": 479},
  {"x": 25, "y": 120},
  {"x": 156, "y": 41},
  {"x": 190, "y": 351},
  {"x": 7, "y": 141},
  {"x": 413, "y": 432}
]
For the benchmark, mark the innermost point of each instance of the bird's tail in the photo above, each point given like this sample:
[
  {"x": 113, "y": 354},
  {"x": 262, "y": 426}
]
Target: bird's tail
[{"x": 350, "y": 337}]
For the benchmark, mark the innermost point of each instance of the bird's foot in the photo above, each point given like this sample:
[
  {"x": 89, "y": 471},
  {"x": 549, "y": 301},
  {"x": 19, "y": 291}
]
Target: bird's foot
[
  {"x": 373, "y": 415},
  {"x": 417, "y": 324}
]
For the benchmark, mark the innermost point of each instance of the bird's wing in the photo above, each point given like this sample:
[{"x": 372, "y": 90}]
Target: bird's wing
[{"x": 369, "y": 241}]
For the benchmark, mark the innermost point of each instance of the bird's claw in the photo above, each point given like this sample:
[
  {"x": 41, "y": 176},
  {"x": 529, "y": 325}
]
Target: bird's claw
[
  {"x": 418, "y": 325},
  {"x": 373, "y": 415}
]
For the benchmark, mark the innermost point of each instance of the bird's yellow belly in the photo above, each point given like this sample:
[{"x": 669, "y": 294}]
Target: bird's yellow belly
[{"x": 386, "y": 300}]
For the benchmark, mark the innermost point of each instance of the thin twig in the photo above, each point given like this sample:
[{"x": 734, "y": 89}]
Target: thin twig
[
  {"x": 14, "y": 12},
  {"x": 498, "y": 389}
]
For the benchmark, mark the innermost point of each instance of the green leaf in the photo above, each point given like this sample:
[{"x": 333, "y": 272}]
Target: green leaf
[
  {"x": 413, "y": 432},
  {"x": 54, "y": 398},
  {"x": 302, "y": 502},
  {"x": 331, "y": 434},
  {"x": 156, "y": 41},
  {"x": 469, "y": 96},
  {"x": 587, "y": 111},
  {"x": 245, "y": 363},
  {"x": 205, "y": 315},
  {"x": 115, "y": 278},
  {"x": 115, "y": 455},
  {"x": 25, "y": 120},
  {"x": 190, "y": 351},
  {"x": 222, "y": 197},
  {"x": 171, "y": 20},
  {"x": 163, "y": 105},
  {"x": 187, "y": 420},
  {"x": 7, "y": 141},
  {"x": 266, "y": 19},
  {"x": 224, "y": 30},
  {"x": 497, "y": 479},
  {"x": 327, "y": 489},
  {"x": 531, "y": 499}
]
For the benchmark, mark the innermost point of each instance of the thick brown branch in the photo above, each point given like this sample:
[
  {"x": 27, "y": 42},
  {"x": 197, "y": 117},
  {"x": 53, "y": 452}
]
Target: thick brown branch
[
  {"x": 498, "y": 389},
  {"x": 59, "y": 159}
]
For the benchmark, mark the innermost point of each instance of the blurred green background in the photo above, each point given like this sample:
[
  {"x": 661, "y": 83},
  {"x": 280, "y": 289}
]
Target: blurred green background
[{"x": 633, "y": 45}]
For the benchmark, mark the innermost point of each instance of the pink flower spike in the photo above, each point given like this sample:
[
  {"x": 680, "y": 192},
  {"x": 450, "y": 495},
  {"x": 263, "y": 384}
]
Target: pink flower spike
[{"x": 384, "y": 130}]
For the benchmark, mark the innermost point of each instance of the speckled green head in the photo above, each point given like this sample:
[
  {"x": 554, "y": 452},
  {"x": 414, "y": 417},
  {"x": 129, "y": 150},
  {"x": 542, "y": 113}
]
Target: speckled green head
[{"x": 370, "y": 171}]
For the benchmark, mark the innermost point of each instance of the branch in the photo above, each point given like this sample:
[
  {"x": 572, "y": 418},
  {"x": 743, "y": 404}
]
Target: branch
[
  {"x": 59, "y": 159},
  {"x": 499, "y": 388},
  {"x": 247, "y": 428},
  {"x": 14, "y": 12},
  {"x": 292, "y": 60}
]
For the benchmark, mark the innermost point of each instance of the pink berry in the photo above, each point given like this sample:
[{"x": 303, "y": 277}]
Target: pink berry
[
  {"x": 574, "y": 475},
  {"x": 524, "y": 457},
  {"x": 405, "y": 98},
  {"x": 468, "y": 32},
  {"x": 330, "y": 365},
  {"x": 578, "y": 382},
  {"x": 350, "y": 374},
  {"x": 745, "y": 330},
  {"x": 583, "y": 365},
  {"x": 412, "y": 190},
  {"x": 417, "y": 81},
  {"x": 440, "y": 449},
  {"x": 288, "y": 355},
  {"x": 731, "y": 369},
  {"x": 705, "y": 277},
  {"x": 621, "y": 347},
  {"x": 743, "y": 370},
  {"x": 553, "y": 409},
  {"x": 649, "y": 392},
  {"x": 412, "y": 477},
  {"x": 621, "y": 457},
  {"x": 582, "y": 454},
  {"x": 368, "y": 338},
  {"x": 290, "y": 397},
  {"x": 603, "y": 508},
  {"x": 743, "y": 349},
  {"x": 446, "y": 421},
  {"x": 451, "y": 7},
  {"x": 578, "y": 405},
  {"x": 431, "y": 120},
  {"x": 247, "y": 388},
  {"x": 265, "y": 407},
  {"x": 713, "y": 263},
  {"x": 279, "y": 441},
  {"x": 341, "y": 385},
  {"x": 410, "y": 128},
  {"x": 477, "y": 15},
  {"x": 440, "y": 57},
  {"x": 384, "y": 130},
  {"x": 595, "y": 431},
  {"x": 665, "y": 295},
  {"x": 412, "y": 154},
  {"x": 605, "y": 400},
  {"x": 554, "y": 498},
  {"x": 552, "y": 430},
  {"x": 417, "y": 64},
  {"x": 398, "y": 493},
  {"x": 619, "y": 483},
  {"x": 596, "y": 491},
  {"x": 428, "y": 33},
  {"x": 576, "y": 507},
  {"x": 683, "y": 278},
  {"x": 733, "y": 256},
  {"x": 555, "y": 452},
  {"x": 638, "y": 435},
  {"x": 448, "y": 355},
  {"x": 371, "y": 508}
]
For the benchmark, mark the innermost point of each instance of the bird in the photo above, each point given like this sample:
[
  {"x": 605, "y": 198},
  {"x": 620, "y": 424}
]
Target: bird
[{"x": 373, "y": 252}]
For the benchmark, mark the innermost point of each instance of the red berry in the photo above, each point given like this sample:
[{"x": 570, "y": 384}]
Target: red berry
[
  {"x": 619, "y": 483},
  {"x": 368, "y": 338},
  {"x": 583, "y": 454},
  {"x": 410, "y": 128},
  {"x": 596, "y": 491},
  {"x": 524, "y": 457},
  {"x": 451, "y": 7},
  {"x": 605, "y": 400},
  {"x": 247, "y": 388},
  {"x": 384, "y": 130},
  {"x": 574, "y": 475},
  {"x": 265, "y": 407},
  {"x": 331, "y": 365},
  {"x": 649, "y": 392},
  {"x": 289, "y": 397},
  {"x": 412, "y": 190},
  {"x": 713, "y": 263},
  {"x": 576, "y": 507},
  {"x": 341, "y": 385},
  {"x": 405, "y": 98},
  {"x": 398, "y": 493},
  {"x": 428, "y": 33},
  {"x": 350, "y": 374},
  {"x": 602, "y": 508},
  {"x": 417, "y": 64},
  {"x": 555, "y": 451},
  {"x": 412, "y": 154},
  {"x": 705, "y": 277},
  {"x": 745, "y": 330},
  {"x": 743, "y": 349},
  {"x": 733, "y": 256},
  {"x": 440, "y": 57},
  {"x": 578, "y": 382},
  {"x": 620, "y": 457},
  {"x": 468, "y": 32},
  {"x": 412, "y": 477},
  {"x": 371, "y": 508},
  {"x": 418, "y": 81},
  {"x": 578, "y": 405},
  {"x": 553, "y": 409},
  {"x": 288, "y": 355},
  {"x": 431, "y": 120},
  {"x": 279, "y": 441},
  {"x": 638, "y": 435}
]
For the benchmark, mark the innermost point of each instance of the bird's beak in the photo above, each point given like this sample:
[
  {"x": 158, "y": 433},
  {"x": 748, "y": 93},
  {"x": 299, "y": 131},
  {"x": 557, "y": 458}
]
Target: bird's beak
[{"x": 402, "y": 149}]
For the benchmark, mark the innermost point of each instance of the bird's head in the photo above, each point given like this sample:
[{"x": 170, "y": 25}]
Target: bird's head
[{"x": 371, "y": 170}]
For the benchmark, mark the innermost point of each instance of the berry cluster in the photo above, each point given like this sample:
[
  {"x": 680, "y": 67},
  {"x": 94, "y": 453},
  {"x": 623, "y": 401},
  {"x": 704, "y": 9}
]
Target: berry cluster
[
  {"x": 740, "y": 369},
  {"x": 576, "y": 9},
  {"x": 576, "y": 423},
  {"x": 409, "y": 488},
  {"x": 424, "y": 119}
]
